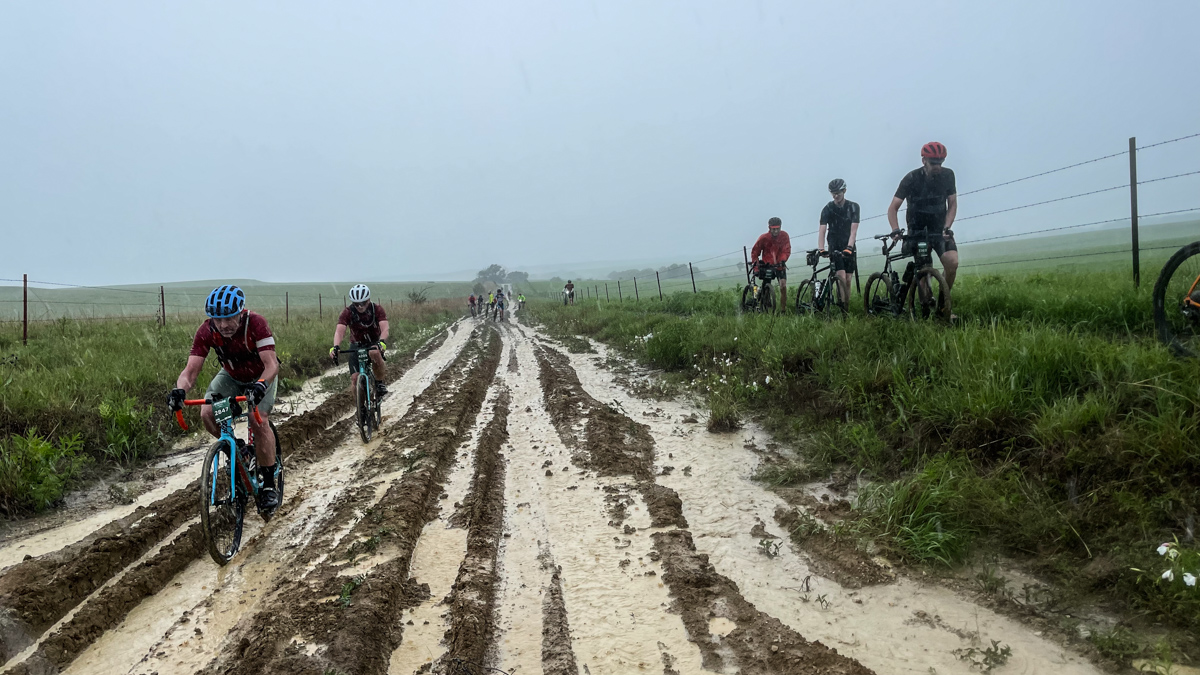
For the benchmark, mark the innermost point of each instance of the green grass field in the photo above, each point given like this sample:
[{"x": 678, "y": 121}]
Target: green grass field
[
  {"x": 105, "y": 384},
  {"x": 1048, "y": 424}
]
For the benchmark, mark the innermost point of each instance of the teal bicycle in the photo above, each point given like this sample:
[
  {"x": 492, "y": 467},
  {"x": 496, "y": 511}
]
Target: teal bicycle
[
  {"x": 369, "y": 413},
  {"x": 229, "y": 478}
]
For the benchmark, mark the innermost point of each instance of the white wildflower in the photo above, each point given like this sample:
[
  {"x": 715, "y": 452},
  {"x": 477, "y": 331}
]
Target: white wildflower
[
  {"x": 735, "y": 338},
  {"x": 1189, "y": 578},
  {"x": 768, "y": 380},
  {"x": 1169, "y": 575},
  {"x": 1163, "y": 548}
]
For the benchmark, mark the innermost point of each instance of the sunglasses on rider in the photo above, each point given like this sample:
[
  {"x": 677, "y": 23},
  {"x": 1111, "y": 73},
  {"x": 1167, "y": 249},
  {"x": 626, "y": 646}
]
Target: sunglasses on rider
[{"x": 361, "y": 305}]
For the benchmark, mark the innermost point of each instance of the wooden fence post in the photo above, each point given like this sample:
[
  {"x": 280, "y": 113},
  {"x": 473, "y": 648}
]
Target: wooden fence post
[
  {"x": 1133, "y": 210},
  {"x": 693, "y": 275},
  {"x": 659, "y": 281}
]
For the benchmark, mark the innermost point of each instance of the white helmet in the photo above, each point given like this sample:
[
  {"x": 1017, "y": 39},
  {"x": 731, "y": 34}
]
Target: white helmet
[{"x": 360, "y": 293}]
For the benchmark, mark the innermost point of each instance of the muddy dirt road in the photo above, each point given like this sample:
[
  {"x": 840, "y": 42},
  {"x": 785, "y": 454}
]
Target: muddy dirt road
[{"x": 520, "y": 510}]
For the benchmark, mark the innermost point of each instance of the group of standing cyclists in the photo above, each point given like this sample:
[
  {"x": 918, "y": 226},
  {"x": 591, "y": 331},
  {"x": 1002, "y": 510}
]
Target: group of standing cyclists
[
  {"x": 932, "y": 206},
  {"x": 245, "y": 348}
]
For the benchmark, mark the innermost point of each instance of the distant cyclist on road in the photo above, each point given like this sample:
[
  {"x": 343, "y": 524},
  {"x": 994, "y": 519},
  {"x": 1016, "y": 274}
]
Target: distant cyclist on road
[
  {"x": 839, "y": 229},
  {"x": 932, "y": 204},
  {"x": 368, "y": 324},
  {"x": 569, "y": 292},
  {"x": 249, "y": 367},
  {"x": 521, "y": 301},
  {"x": 471, "y": 304},
  {"x": 774, "y": 248},
  {"x": 498, "y": 313}
]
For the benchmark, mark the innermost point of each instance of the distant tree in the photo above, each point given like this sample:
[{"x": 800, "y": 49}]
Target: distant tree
[
  {"x": 418, "y": 297},
  {"x": 491, "y": 275},
  {"x": 517, "y": 278},
  {"x": 478, "y": 289}
]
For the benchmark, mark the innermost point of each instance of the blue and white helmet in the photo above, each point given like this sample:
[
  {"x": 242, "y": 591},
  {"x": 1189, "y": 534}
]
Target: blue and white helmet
[
  {"x": 224, "y": 302},
  {"x": 360, "y": 293}
]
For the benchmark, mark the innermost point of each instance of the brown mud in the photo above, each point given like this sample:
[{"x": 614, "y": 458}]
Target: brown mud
[
  {"x": 327, "y": 620},
  {"x": 38, "y": 592},
  {"x": 751, "y": 642},
  {"x": 473, "y": 597},
  {"x": 558, "y": 658},
  {"x": 830, "y": 557}
]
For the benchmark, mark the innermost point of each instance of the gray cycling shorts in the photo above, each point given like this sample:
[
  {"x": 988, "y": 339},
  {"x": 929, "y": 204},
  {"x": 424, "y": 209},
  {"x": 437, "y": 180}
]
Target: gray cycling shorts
[{"x": 226, "y": 386}]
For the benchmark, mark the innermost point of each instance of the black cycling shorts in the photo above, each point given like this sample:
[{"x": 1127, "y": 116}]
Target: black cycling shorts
[
  {"x": 939, "y": 245},
  {"x": 843, "y": 262}
]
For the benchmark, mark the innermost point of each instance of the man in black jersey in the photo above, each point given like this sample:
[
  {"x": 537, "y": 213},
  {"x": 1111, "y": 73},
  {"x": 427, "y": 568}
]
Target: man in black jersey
[
  {"x": 839, "y": 227},
  {"x": 932, "y": 204}
]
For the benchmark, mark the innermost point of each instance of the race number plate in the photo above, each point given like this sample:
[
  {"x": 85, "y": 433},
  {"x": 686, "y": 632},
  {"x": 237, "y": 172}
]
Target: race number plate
[
  {"x": 222, "y": 410},
  {"x": 363, "y": 356}
]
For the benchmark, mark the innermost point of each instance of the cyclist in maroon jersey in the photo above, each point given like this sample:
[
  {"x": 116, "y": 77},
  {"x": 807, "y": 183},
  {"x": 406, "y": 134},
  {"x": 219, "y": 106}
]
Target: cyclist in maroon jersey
[
  {"x": 774, "y": 248},
  {"x": 368, "y": 324},
  {"x": 249, "y": 367}
]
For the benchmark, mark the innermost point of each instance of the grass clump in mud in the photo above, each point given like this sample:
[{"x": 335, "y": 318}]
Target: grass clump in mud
[
  {"x": 35, "y": 473},
  {"x": 1047, "y": 424}
]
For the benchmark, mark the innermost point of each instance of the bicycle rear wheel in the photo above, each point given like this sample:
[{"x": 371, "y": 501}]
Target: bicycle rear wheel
[
  {"x": 805, "y": 302},
  {"x": 222, "y": 505},
  {"x": 362, "y": 402},
  {"x": 931, "y": 303},
  {"x": 1177, "y": 302}
]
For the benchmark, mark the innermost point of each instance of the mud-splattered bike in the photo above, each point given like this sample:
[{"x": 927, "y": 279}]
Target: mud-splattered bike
[
  {"x": 229, "y": 478},
  {"x": 922, "y": 289},
  {"x": 368, "y": 406},
  {"x": 755, "y": 297}
]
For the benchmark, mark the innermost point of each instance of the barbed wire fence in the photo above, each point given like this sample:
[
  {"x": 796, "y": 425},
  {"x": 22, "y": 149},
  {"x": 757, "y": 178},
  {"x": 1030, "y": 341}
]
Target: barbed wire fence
[
  {"x": 670, "y": 281},
  {"x": 707, "y": 273}
]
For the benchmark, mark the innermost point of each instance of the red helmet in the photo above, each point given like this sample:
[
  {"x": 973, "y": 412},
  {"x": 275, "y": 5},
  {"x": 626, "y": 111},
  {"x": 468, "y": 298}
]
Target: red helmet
[{"x": 933, "y": 150}]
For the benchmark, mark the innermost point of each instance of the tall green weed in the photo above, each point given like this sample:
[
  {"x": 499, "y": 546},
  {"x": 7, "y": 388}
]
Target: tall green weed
[{"x": 35, "y": 472}]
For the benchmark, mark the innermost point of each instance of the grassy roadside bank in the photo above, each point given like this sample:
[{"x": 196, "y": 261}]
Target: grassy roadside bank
[
  {"x": 1047, "y": 425},
  {"x": 84, "y": 392}
]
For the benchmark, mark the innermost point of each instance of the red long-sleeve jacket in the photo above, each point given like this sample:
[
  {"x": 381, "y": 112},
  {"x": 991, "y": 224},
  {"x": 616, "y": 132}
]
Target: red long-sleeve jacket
[{"x": 775, "y": 250}]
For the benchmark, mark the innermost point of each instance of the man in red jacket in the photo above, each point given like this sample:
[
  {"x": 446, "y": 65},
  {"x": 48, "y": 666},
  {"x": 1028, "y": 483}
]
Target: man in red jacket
[{"x": 774, "y": 247}]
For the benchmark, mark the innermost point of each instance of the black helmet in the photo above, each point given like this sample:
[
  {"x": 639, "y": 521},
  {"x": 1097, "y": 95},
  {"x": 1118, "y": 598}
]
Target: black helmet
[
  {"x": 774, "y": 222},
  {"x": 837, "y": 185}
]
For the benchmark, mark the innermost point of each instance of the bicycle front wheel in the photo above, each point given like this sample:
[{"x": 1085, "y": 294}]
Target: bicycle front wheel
[
  {"x": 222, "y": 504},
  {"x": 805, "y": 302},
  {"x": 929, "y": 296},
  {"x": 748, "y": 302},
  {"x": 766, "y": 299},
  {"x": 877, "y": 300},
  {"x": 363, "y": 401},
  {"x": 1177, "y": 302}
]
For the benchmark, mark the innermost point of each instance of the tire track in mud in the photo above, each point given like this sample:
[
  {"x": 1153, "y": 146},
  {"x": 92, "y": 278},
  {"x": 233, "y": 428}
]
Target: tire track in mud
[
  {"x": 473, "y": 596},
  {"x": 343, "y": 616},
  {"x": 731, "y": 633},
  {"x": 39, "y": 592}
]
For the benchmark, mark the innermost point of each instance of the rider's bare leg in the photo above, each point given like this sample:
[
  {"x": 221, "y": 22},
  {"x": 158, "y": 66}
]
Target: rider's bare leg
[
  {"x": 264, "y": 441},
  {"x": 844, "y": 291},
  {"x": 378, "y": 365},
  {"x": 210, "y": 421},
  {"x": 950, "y": 267},
  {"x": 783, "y": 295}
]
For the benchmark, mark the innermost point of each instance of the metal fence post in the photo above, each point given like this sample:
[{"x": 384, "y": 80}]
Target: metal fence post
[
  {"x": 620, "y": 298},
  {"x": 1133, "y": 210},
  {"x": 320, "y": 309},
  {"x": 162, "y": 301},
  {"x": 693, "y": 276},
  {"x": 636, "y": 297},
  {"x": 24, "y": 309},
  {"x": 287, "y": 317},
  {"x": 659, "y": 280}
]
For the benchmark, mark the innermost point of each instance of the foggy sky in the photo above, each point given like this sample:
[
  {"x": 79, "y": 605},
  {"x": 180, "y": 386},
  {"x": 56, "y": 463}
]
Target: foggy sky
[{"x": 291, "y": 141}]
